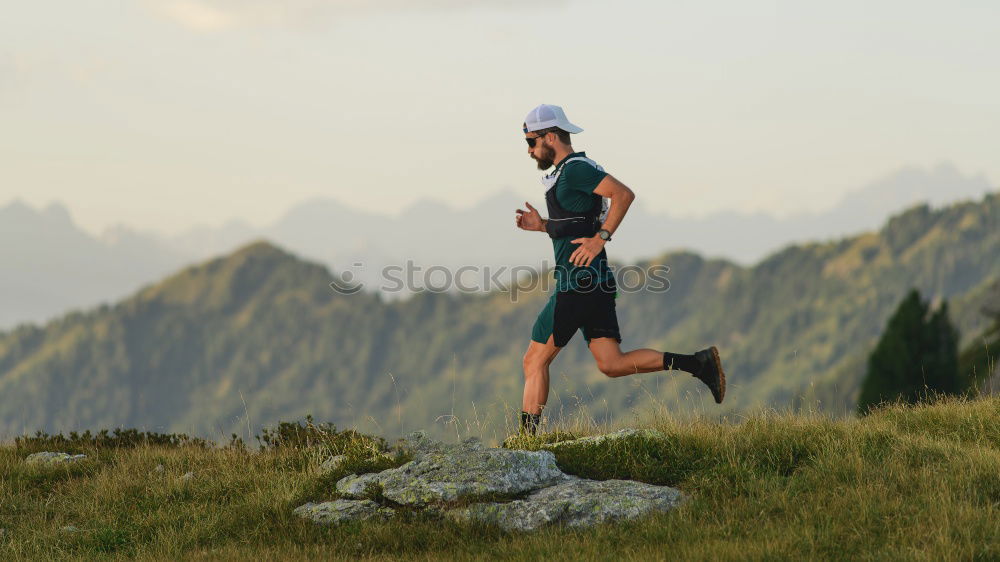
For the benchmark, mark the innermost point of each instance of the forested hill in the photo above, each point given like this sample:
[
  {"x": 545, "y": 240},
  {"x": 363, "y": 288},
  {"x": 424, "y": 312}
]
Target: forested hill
[{"x": 258, "y": 336}]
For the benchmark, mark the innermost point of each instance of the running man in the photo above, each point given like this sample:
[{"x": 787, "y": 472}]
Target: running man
[{"x": 580, "y": 227}]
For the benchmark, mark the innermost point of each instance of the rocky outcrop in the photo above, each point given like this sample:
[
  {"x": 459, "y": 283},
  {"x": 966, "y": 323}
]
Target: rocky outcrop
[
  {"x": 343, "y": 510},
  {"x": 443, "y": 473},
  {"x": 575, "y": 502},
  {"x": 605, "y": 440},
  {"x": 48, "y": 458},
  {"x": 538, "y": 493}
]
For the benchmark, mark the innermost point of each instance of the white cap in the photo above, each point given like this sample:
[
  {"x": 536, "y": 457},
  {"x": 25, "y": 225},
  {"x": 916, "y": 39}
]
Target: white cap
[{"x": 545, "y": 116}]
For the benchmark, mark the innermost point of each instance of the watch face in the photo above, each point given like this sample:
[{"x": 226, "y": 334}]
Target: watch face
[{"x": 604, "y": 234}]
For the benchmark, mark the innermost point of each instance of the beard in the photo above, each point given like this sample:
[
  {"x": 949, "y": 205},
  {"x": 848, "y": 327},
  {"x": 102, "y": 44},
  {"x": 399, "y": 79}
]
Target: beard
[{"x": 546, "y": 158}]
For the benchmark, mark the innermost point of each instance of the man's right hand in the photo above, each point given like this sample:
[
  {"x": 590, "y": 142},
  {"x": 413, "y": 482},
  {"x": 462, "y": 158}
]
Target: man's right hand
[{"x": 530, "y": 219}]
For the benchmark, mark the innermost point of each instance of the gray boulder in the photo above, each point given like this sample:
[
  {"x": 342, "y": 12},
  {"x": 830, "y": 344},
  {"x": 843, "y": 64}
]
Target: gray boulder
[
  {"x": 441, "y": 473},
  {"x": 575, "y": 502},
  {"x": 50, "y": 458},
  {"x": 609, "y": 439},
  {"x": 343, "y": 510},
  {"x": 418, "y": 444},
  {"x": 446, "y": 473},
  {"x": 335, "y": 462}
]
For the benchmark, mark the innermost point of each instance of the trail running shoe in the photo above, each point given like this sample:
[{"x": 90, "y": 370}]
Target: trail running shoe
[{"x": 711, "y": 372}]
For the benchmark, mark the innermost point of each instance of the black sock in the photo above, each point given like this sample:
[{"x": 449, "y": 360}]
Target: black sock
[
  {"x": 529, "y": 423},
  {"x": 680, "y": 362}
]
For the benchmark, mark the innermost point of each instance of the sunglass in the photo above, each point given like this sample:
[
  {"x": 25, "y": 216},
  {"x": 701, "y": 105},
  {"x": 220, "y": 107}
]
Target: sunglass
[{"x": 532, "y": 140}]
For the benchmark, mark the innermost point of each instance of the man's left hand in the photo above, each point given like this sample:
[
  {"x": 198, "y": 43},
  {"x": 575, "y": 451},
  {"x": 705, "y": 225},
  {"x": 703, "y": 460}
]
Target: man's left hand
[{"x": 588, "y": 250}]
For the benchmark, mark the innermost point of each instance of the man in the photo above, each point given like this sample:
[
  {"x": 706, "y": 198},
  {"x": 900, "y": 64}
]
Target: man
[{"x": 585, "y": 285}]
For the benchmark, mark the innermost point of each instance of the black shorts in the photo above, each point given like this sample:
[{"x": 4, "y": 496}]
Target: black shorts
[{"x": 567, "y": 312}]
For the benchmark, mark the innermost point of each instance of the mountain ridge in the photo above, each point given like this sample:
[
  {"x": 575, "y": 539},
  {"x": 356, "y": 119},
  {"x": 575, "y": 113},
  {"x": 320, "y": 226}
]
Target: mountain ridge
[
  {"x": 260, "y": 332},
  {"x": 47, "y": 248}
]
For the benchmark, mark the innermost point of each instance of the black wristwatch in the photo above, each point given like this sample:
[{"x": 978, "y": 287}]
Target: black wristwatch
[{"x": 604, "y": 234}]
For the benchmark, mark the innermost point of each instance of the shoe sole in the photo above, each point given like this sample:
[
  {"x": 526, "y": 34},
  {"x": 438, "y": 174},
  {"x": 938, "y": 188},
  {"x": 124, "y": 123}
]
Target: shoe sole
[{"x": 722, "y": 374}]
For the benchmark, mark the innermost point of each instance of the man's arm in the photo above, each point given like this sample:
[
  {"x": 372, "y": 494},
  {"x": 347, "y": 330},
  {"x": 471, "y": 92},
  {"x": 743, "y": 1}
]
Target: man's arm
[{"x": 621, "y": 199}]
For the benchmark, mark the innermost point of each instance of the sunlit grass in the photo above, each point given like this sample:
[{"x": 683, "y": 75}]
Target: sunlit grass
[{"x": 903, "y": 483}]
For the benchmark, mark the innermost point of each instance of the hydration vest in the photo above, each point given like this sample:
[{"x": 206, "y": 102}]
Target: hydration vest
[{"x": 562, "y": 222}]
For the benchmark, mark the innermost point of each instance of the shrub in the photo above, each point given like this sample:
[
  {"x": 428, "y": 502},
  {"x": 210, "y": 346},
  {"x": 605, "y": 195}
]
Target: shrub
[{"x": 104, "y": 439}]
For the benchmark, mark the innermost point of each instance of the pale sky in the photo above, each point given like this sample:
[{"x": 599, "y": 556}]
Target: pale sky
[{"x": 161, "y": 114}]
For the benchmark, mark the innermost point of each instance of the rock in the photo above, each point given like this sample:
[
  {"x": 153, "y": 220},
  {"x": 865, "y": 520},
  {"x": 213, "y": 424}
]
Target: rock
[
  {"x": 575, "y": 502},
  {"x": 69, "y": 529},
  {"x": 441, "y": 473},
  {"x": 610, "y": 438},
  {"x": 50, "y": 458},
  {"x": 353, "y": 486},
  {"x": 343, "y": 510},
  {"x": 445, "y": 473},
  {"x": 336, "y": 462},
  {"x": 418, "y": 444},
  {"x": 473, "y": 443},
  {"x": 332, "y": 463}
]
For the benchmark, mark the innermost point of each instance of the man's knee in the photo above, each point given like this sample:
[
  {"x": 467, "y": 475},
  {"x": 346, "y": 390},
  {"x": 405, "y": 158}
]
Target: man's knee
[
  {"x": 607, "y": 367},
  {"x": 533, "y": 362},
  {"x": 538, "y": 357},
  {"x": 529, "y": 364}
]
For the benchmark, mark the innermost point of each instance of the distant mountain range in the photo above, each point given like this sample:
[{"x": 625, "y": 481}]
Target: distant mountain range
[
  {"x": 54, "y": 266},
  {"x": 50, "y": 266},
  {"x": 257, "y": 336}
]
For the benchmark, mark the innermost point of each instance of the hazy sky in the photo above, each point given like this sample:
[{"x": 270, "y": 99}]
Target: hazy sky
[{"x": 166, "y": 113}]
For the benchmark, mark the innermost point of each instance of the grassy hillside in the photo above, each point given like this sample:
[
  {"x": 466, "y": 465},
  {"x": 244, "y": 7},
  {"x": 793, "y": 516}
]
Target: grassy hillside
[
  {"x": 258, "y": 335},
  {"x": 904, "y": 483}
]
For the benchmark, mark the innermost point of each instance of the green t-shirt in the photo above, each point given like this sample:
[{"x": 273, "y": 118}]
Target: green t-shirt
[{"x": 574, "y": 191}]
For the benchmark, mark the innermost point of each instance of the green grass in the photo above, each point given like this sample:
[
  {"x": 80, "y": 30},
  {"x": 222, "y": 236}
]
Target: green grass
[{"x": 906, "y": 483}]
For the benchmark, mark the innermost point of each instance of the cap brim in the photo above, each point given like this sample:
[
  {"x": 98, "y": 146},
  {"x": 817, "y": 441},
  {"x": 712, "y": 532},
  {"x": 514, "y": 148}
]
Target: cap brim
[{"x": 568, "y": 127}]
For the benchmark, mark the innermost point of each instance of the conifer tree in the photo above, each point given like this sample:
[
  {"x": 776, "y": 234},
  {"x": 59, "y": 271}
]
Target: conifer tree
[
  {"x": 916, "y": 356},
  {"x": 940, "y": 357}
]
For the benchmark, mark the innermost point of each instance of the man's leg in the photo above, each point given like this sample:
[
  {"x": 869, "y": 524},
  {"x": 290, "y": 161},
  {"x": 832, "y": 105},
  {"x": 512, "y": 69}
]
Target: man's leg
[
  {"x": 536, "y": 375},
  {"x": 549, "y": 328},
  {"x": 704, "y": 365},
  {"x": 614, "y": 363}
]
